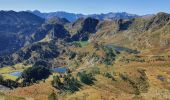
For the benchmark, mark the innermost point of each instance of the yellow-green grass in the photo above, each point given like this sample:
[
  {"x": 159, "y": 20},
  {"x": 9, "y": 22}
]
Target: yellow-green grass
[
  {"x": 5, "y": 71},
  {"x": 82, "y": 43},
  {"x": 46, "y": 39},
  {"x": 8, "y": 76},
  {"x": 9, "y": 69},
  {"x": 5, "y": 97}
]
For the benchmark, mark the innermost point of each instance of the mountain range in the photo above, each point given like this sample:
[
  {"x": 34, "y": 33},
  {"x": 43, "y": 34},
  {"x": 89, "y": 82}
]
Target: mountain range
[
  {"x": 120, "y": 52},
  {"x": 73, "y": 17},
  {"x": 22, "y": 29}
]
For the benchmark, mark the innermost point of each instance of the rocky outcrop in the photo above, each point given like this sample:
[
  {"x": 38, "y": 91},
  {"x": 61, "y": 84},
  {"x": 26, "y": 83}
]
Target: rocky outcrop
[{"x": 88, "y": 27}]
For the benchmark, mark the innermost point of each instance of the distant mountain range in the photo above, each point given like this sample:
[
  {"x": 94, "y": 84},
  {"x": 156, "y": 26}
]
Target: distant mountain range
[{"x": 73, "y": 17}]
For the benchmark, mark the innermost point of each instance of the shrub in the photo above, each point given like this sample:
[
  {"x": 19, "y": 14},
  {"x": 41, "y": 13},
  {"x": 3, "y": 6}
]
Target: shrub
[
  {"x": 108, "y": 75},
  {"x": 52, "y": 96},
  {"x": 86, "y": 78},
  {"x": 42, "y": 63},
  {"x": 109, "y": 56},
  {"x": 33, "y": 74},
  {"x": 70, "y": 83},
  {"x": 56, "y": 82},
  {"x": 1, "y": 78},
  {"x": 72, "y": 55},
  {"x": 9, "y": 83}
]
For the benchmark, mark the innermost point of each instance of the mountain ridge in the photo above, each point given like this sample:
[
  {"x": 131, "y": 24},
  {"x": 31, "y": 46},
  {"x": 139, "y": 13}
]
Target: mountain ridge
[
  {"x": 72, "y": 17},
  {"x": 94, "y": 30},
  {"x": 15, "y": 27}
]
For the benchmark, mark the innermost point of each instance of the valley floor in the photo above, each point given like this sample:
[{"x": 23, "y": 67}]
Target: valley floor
[{"x": 157, "y": 72}]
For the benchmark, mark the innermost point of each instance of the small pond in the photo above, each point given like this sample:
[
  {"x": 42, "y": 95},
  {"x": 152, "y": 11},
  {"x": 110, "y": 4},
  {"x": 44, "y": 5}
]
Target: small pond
[
  {"x": 16, "y": 74},
  {"x": 56, "y": 70},
  {"x": 60, "y": 70}
]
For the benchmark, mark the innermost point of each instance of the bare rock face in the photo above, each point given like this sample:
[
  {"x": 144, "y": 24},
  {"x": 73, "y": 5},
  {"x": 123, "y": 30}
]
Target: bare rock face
[
  {"x": 88, "y": 27},
  {"x": 158, "y": 21}
]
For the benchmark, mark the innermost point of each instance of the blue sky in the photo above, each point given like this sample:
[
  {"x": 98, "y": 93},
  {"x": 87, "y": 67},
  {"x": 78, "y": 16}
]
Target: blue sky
[{"x": 89, "y": 6}]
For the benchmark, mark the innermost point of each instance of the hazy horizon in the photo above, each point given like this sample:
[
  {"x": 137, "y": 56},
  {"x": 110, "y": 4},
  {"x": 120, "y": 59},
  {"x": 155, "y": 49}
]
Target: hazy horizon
[
  {"x": 83, "y": 13},
  {"x": 89, "y": 6}
]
